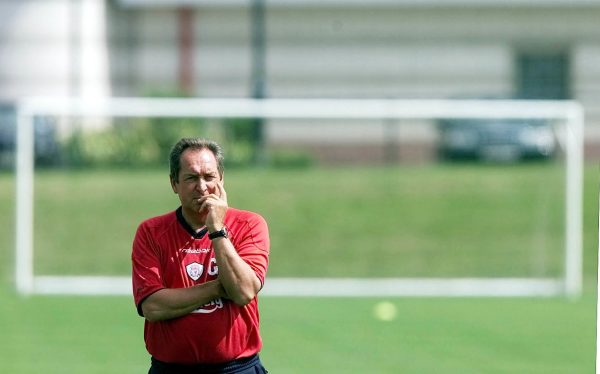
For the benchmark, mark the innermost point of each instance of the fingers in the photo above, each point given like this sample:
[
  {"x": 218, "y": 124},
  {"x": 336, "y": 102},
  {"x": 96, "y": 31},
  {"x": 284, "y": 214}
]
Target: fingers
[
  {"x": 203, "y": 206},
  {"x": 206, "y": 202},
  {"x": 212, "y": 200},
  {"x": 211, "y": 197},
  {"x": 213, "y": 210},
  {"x": 214, "y": 206},
  {"x": 221, "y": 190}
]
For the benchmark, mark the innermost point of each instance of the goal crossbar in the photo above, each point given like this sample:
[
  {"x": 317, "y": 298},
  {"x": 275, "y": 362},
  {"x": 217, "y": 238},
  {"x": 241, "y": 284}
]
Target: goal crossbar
[{"x": 568, "y": 111}]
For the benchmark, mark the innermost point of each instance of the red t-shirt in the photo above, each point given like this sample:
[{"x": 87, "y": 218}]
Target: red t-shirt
[{"x": 167, "y": 253}]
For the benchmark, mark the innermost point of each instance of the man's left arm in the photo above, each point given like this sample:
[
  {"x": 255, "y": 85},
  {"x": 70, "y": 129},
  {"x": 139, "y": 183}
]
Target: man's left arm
[{"x": 237, "y": 277}]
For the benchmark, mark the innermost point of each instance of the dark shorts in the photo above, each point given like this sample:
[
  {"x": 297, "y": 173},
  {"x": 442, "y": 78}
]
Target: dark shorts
[{"x": 247, "y": 365}]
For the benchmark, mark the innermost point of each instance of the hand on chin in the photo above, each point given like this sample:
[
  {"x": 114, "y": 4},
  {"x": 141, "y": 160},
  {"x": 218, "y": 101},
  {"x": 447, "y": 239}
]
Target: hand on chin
[{"x": 202, "y": 218}]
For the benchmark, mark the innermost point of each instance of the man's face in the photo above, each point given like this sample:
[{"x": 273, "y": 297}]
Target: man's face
[{"x": 198, "y": 176}]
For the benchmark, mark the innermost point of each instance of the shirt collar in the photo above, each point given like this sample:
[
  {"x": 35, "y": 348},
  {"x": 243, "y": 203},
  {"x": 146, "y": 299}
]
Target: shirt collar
[{"x": 197, "y": 235}]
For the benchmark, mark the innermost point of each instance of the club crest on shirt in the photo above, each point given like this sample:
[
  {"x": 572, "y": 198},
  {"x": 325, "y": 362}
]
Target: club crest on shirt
[{"x": 194, "y": 270}]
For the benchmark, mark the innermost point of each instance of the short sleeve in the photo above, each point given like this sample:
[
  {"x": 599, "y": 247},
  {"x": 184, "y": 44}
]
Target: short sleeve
[
  {"x": 253, "y": 245},
  {"x": 146, "y": 276}
]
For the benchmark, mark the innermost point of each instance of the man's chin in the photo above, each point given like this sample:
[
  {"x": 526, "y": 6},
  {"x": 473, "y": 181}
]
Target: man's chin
[{"x": 197, "y": 217}]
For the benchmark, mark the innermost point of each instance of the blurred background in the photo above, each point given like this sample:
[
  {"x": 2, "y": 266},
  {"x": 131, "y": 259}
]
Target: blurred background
[
  {"x": 305, "y": 49},
  {"x": 443, "y": 198}
]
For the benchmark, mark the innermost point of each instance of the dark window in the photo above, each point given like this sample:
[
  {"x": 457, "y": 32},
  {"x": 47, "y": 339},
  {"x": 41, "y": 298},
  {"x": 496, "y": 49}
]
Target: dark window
[{"x": 543, "y": 76}]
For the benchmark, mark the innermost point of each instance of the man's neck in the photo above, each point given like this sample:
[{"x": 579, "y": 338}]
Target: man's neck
[{"x": 193, "y": 220}]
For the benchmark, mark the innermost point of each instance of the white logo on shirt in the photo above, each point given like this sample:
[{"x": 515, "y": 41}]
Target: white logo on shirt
[
  {"x": 194, "y": 270},
  {"x": 195, "y": 250},
  {"x": 210, "y": 307}
]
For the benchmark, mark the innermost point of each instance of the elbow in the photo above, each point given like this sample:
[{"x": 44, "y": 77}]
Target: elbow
[
  {"x": 243, "y": 298},
  {"x": 242, "y": 293},
  {"x": 152, "y": 317},
  {"x": 152, "y": 314},
  {"x": 242, "y": 301}
]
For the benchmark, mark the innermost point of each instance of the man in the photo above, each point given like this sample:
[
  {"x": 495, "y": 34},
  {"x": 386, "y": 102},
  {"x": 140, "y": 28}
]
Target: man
[{"x": 197, "y": 272}]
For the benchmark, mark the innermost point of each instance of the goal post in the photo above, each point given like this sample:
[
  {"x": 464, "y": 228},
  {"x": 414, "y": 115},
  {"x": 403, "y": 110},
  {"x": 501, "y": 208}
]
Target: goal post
[{"x": 570, "y": 112}]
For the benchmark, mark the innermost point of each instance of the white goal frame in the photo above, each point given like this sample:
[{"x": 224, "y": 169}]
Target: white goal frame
[{"x": 570, "y": 112}]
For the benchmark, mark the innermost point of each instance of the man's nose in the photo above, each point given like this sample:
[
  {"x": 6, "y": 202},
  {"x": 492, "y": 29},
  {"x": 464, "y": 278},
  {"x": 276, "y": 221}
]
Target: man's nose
[{"x": 202, "y": 185}]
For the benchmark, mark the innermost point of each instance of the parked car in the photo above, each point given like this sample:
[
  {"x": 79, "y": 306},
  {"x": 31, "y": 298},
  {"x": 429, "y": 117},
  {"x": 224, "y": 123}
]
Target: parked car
[{"x": 501, "y": 140}]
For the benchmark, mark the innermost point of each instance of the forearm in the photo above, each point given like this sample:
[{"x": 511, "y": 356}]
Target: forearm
[
  {"x": 237, "y": 277},
  {"x": 170, "y": 303}
]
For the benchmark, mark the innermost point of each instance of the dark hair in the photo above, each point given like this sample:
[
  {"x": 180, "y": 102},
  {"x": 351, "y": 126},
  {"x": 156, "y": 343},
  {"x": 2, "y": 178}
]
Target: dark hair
[{"x": 193, "y": 143}]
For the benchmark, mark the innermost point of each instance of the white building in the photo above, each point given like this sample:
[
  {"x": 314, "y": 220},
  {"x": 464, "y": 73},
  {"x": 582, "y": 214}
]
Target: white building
[{"x": 327, "y": 48}]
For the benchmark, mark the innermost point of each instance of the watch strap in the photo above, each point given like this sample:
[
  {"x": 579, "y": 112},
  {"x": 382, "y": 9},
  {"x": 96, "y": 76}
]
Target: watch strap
[{"x": 218, "y": 234}]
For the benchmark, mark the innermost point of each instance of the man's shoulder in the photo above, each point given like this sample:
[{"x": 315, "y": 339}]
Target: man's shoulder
[
  {"x": 160, "y": 222},
  {"x": 244, "y": 216},
  {"x": 240, "y": 214},
  {"x": 247, "y": 227}
]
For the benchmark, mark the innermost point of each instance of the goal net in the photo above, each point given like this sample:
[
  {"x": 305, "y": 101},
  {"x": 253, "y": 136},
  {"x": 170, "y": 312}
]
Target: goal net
[{"x": 401, "y": 228}]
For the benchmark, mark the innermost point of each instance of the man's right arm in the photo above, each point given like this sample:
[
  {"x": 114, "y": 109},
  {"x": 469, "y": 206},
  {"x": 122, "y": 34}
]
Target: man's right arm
[{"x": 169, "y": 303}]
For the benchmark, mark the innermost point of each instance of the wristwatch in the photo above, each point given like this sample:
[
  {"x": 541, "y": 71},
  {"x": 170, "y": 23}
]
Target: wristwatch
[{"x": 218, "y": 234}]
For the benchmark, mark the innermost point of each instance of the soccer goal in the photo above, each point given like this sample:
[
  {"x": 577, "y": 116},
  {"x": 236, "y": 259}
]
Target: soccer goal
[{"x": 566, "y": 116}]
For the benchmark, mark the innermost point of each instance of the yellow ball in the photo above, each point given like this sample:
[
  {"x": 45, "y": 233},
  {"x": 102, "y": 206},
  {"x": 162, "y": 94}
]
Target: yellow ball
[{"x": 385, "y": 311}]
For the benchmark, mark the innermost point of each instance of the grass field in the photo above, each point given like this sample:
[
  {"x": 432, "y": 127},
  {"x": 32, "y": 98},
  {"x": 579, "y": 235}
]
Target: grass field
[
  {"x": 450, "y": 220},
  {"x": 103, "y": 335},
  {"x": 437, "y": 221}
]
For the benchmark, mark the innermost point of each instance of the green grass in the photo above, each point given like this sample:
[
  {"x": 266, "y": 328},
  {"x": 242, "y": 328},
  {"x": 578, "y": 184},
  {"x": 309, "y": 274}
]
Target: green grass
[
  {"x": 430, "y": 336},
  {"x": 339, "y": 335},
  {"x": 434, "y": 221},
  {"x": 70, "y": 335},
  {"x": 389, "y": 221}
]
